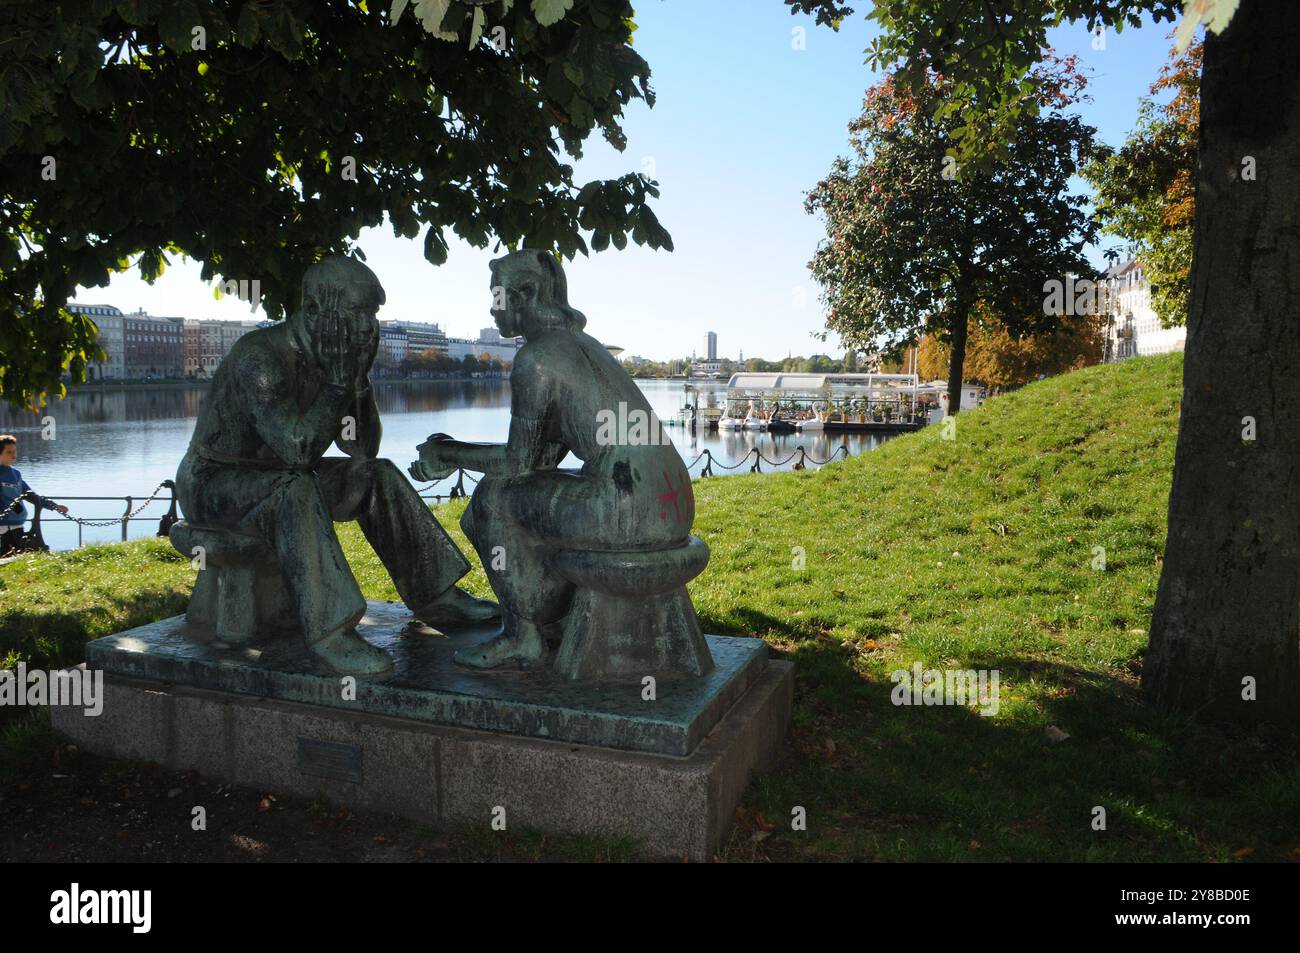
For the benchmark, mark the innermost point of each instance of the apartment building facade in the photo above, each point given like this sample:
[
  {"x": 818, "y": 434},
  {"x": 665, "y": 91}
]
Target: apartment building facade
[{"x": 1132, "y": 327}]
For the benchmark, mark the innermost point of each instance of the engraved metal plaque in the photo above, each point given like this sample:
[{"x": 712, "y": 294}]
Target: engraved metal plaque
[{"x": 329, "y": 759}]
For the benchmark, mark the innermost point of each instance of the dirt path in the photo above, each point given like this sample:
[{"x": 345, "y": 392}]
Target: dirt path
[{"x": 79, "y": 807}]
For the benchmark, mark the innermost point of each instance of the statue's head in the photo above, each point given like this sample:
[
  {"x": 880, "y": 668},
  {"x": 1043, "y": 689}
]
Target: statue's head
[
  {"x": 529, "y": 293},
  {"x": 358, "y": 291}
]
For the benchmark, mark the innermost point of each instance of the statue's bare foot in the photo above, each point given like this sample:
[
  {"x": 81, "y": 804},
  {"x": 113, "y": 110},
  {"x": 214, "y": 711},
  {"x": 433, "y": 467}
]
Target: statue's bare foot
[
  {"x": 519, "y": 645},
  {"x": 349, "y": 654},
  {"x": 458, "y": 607}
]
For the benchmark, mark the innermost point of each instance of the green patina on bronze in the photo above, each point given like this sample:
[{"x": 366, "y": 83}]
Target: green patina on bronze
[
  {"x": 590, "y": 565},
  {"x": 596, "y": 559},
  {"x": 260, "y": 498}
]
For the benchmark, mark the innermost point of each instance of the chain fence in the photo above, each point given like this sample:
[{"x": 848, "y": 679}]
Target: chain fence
[{"x": 33, "y": 539}]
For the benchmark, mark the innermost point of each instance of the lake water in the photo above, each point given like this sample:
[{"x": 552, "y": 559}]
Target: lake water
[{"x": 122, "y": 442}]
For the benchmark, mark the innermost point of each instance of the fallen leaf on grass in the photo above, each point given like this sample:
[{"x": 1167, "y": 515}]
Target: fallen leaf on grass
[
  {"x": 752, "y": 817},
  {"x": 1244, "y": 852}
]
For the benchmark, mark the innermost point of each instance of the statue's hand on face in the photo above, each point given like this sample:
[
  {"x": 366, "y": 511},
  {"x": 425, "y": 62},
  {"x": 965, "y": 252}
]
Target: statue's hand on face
[
  {"x": 334, "y": 341},
  {"x": 368, "y": 345}
]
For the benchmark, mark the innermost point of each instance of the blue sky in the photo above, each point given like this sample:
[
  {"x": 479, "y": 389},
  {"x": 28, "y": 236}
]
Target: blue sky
[{"x": 744, "y": 125}]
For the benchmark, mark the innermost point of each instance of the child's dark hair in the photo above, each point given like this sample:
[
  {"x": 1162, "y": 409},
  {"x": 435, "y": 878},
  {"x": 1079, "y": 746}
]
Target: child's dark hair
[{"x": 6, "y": 439}]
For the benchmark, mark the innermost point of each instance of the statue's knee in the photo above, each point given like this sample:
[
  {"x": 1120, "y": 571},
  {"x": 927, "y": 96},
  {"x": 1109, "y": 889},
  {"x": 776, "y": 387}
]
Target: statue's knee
[
  {"x": 299, "y": 491},
  {"x": 298, "y": 485},
  {"x": 468, "y": 523},
  {"x": 384, "y": 471},
  {"x": 483, "y": 510}
]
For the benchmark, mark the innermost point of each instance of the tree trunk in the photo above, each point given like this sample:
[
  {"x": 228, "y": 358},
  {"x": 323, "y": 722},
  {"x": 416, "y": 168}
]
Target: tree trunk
[
  {"x": 960, "y": 326},
  {"x": 1226, "y": 609}
]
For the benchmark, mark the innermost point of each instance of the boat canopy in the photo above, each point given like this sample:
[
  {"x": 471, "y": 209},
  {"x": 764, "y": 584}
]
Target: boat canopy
[{"x": 814, "y": 385}]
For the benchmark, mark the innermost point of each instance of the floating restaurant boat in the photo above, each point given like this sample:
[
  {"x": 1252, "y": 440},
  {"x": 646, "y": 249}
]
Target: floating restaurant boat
[
  {"x": 830, "y": 403},
  {"x": 834, "y": 403}
]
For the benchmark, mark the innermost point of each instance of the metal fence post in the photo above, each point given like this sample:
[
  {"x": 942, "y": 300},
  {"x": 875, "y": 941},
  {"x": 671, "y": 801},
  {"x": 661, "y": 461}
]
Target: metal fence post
[
  {"x": 169, "y": 518},
  {"x": 36, "y": 540}
]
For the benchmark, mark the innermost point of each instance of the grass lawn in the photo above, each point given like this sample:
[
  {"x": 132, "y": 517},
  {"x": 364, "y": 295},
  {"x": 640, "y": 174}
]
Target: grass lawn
[{"x": 979, "y": 552}]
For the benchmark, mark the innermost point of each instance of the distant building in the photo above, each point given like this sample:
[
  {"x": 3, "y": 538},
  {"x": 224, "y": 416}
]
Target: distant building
[
  {"x": 710, "y": 346},
  {"x": 394, "y": 345},
  {"x": 154, "y": 346},
  {"x": 136, "y": 345},
  {"x": 489, "y": 343},
  {"x": 109, "y": 321},
  {"x": 493, "y": 336},
  {"x": 208, "y": 342},
  {"x": 420, "y": 337},
  {"x": 1132, "y": 328},
  {"x": 459, "y": 348}
]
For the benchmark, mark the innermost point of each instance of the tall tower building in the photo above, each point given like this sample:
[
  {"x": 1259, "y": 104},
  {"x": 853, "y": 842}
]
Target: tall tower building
[{"x": 710, "y": 346}]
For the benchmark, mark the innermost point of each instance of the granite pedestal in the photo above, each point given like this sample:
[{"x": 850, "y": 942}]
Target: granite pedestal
[{"x": 446, "y": 745}]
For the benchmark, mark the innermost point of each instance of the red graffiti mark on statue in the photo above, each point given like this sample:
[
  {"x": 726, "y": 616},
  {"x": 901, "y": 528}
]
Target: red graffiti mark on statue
[{"x": 674, "y": 496}]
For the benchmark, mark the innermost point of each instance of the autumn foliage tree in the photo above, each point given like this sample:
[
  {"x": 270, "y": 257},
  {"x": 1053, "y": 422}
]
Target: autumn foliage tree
[
  {"x": 256, "y": 136},
  {"x": 915, "y": 239},
  {"x": 997, "y": 360},
  {"x": 1146, "y": 190}
]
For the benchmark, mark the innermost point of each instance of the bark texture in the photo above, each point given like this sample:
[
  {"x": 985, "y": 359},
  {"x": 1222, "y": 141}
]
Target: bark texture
[{"x": 1226, "y": 608}]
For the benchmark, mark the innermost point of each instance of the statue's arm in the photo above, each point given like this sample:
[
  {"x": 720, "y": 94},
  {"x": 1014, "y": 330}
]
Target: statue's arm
[
  {"x": 527, "y": 448},
  {"x": 530, "y": 447},
  {"x": 298, "y": 439},
  {"x": 536, "y": 394},
  {"x": 480, "y": 457},
  {"x": 365, "y": 412}
]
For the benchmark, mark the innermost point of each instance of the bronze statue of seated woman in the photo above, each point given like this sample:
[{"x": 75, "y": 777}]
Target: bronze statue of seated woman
[{"x": 596, "y": 558}]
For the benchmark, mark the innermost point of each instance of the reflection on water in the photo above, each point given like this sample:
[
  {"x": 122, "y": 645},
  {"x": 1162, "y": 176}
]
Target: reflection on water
[{"x": 116, "y": 442}]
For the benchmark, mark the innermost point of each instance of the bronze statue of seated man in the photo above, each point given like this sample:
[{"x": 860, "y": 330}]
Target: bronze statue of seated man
[
  {"x": 256, "y": 467},
  {"x": 630, "y": 495}
]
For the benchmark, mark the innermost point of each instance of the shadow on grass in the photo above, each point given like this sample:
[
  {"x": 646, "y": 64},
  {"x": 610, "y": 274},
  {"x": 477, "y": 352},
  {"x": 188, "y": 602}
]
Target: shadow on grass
[
  {"x": 26, "y": 741},
  {"x": 53, "y": 638},
  {"x": 879, "y": 780},
  {"x": 50, "y": 639},
  {"x": 943, "y": 782}
]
